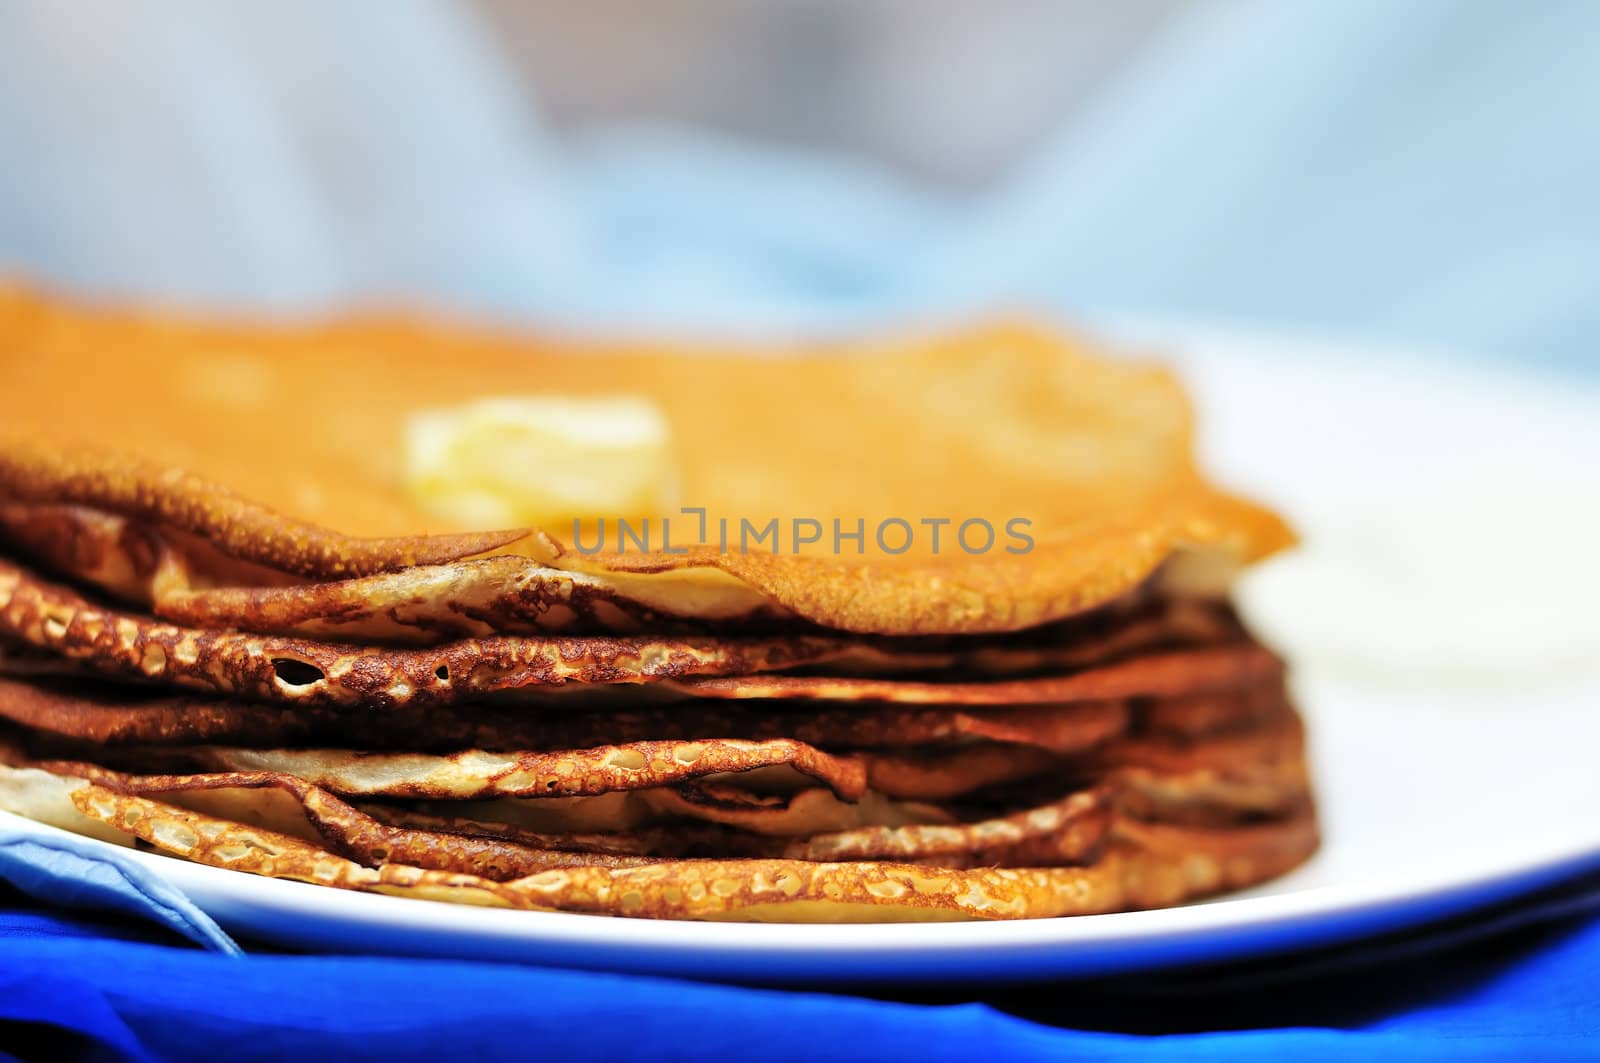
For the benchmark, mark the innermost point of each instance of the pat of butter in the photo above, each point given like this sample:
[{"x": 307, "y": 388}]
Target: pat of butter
[{"x": 542, "y": 460}]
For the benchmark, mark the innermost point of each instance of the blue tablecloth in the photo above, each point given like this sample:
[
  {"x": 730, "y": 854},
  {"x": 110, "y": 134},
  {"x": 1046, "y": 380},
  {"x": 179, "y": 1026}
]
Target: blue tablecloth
[{"x": 1518, "y": 983}]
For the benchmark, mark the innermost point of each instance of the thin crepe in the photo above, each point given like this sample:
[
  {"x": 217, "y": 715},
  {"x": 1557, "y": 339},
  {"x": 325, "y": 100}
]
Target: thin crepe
[
  {"x": 1063, "y": 831},
  {"x": 1144, "y": 866},
  {"x": 76, "y": 710},
  {"x": 311, "y": 672},
  {"x": 52, "y": 617},
  {"x": 1138, "y": 865},
  {"x": 999, "y": 423}
]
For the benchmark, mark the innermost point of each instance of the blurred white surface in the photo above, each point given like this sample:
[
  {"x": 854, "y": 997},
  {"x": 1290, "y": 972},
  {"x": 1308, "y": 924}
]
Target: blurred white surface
[{"x": 1447, "y": 514}]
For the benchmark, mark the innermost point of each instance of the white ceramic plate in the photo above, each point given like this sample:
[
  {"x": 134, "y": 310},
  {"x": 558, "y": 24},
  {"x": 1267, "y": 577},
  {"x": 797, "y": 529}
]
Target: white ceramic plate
[{"x": 1442, "y": 660}]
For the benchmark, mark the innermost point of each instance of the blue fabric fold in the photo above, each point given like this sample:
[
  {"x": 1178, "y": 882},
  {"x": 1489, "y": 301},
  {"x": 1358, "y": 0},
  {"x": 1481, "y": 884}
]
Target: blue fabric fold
[
  {"x": 1513, "y": 996},
  {"x": 79, "y": 873}
]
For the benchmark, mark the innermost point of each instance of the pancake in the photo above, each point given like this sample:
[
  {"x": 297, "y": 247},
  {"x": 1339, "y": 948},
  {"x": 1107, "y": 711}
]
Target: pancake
[
  {"x": 312, "y": 672},
  {"x": 1067, "y": 831},
  {"x": 1064, "y": 831},
  {"x": 237, "y": 527},
  {"x": 800, "y": 814},
  {"x": 1140, "y": 861},
  {"x": 431, "y": 604},
  {"x": 1164, "y": 674},
  {"x": 94, "y": 711},
  {"x": 1144, "y": 866},
  {"x": 1247, "y": 779},
  {"x": 315, "y": 602},
  {"x": 477, "y": 775},
  {"x": 185, "y": 580},
  {"x": 106, "y": 715},
  {"x": 1261, "y": 770},
  {"x": 1004, "y": 422},
  {"x": 51, "y": 617}
]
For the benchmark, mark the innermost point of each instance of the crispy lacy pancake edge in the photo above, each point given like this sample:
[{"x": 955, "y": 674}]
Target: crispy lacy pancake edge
[
  {"x": 307, "y": 671},
  {"x": 1067, "y": 830},
  {"x": 479, "y": 775},
  {"x": 77, "y": 709},
  {"x": 74, "y": 709},
  {"x": 291, "y": 669},
  {"x": 1145, "y": 867}
]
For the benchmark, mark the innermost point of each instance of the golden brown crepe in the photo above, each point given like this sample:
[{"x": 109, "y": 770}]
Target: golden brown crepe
[
  {"x": 1141, "y": 864},
  {"x": 187, "y": 426},
  {"x": 108, "y": 715},
  {"x": 49, "y": 616},
  {"x": 233, "y": 630},
  {"x": 1144, "y": 866}
]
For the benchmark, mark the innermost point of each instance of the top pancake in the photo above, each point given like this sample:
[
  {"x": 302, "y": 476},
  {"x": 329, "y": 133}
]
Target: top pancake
[{"x": 277, "y": 445}]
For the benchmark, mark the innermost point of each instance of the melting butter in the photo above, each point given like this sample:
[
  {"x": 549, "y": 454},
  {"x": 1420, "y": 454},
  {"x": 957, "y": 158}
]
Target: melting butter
[{"x": 542, "y": 460}]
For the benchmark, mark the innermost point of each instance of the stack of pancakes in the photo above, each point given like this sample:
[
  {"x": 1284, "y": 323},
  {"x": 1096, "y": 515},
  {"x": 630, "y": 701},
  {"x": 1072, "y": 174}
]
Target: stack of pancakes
[{"x": 234, "y": 630}]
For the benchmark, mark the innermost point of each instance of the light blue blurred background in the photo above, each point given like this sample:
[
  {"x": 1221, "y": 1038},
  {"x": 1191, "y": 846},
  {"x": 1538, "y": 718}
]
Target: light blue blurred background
[{"x": 1419, "y": 173}]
